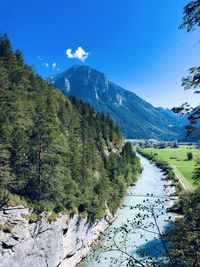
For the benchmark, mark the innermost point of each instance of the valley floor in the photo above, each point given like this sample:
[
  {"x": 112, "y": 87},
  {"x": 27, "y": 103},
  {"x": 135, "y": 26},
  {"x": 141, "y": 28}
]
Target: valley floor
[{"x": 183, "y": 168}]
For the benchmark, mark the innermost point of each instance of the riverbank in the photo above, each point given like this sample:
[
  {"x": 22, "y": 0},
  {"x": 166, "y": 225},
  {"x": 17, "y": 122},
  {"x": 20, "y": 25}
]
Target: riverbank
[
  {"x": 168, "y": 170},
  {"x": 151, "y": 188}
]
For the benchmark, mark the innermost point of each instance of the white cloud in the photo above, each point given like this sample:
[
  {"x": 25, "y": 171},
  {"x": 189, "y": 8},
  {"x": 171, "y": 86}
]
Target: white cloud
[
  {"x": 54, "y": 65},
  {"x": 69, "y": 53},
  {"x": 47, "y": 64},
  {"x": 79, "y": 54}
]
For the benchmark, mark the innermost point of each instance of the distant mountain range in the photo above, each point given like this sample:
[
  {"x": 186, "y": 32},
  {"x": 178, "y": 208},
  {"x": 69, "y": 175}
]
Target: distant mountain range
[
  {"x": 184, "y": 121},
  {"x": 135, "y": 117}
]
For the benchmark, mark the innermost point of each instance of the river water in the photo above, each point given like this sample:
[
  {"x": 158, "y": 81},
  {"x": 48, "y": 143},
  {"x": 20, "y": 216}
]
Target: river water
[{"x": 145, "y": 204}]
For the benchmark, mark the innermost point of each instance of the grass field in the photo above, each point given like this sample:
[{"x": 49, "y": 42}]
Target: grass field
[{"x": 178, "y": 158}]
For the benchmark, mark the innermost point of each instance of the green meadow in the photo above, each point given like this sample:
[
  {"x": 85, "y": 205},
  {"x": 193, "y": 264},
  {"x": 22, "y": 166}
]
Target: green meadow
[{"x": 178, "y": 158}]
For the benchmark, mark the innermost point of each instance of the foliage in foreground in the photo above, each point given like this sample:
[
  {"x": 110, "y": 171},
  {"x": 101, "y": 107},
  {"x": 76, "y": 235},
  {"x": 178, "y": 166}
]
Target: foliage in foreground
[
  {"x": 184, "y": 237},
  {"x": 57, "y": 153},
  {"x": 191, "y": 21}
]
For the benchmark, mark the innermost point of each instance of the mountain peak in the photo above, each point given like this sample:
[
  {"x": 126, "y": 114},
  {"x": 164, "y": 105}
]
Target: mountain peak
[
  {"x": 85, "y": 70},
  {"x": 135, "y": 117},
  {"x": 81, "y": 67}
]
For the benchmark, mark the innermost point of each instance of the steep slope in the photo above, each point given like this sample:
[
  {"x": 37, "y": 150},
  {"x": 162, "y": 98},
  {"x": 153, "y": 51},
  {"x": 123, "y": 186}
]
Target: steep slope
[
  {"x": 135, "y": 117},
  {"x": 58, "y": 153}
]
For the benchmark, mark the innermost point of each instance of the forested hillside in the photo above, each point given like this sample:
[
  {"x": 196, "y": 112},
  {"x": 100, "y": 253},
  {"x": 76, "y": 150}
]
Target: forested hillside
[{"x": 57, "y": 153}]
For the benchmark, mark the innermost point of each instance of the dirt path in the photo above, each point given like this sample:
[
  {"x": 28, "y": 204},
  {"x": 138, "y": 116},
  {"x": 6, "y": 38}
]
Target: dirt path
[{"x": 184, "y": 183}]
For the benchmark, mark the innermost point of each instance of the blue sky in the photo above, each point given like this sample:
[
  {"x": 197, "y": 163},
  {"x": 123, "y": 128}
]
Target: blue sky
[{"x": 136, "y": 43}]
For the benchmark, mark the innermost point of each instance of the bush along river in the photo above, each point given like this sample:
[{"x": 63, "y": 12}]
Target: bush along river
[{"x": 134, "y": 237}]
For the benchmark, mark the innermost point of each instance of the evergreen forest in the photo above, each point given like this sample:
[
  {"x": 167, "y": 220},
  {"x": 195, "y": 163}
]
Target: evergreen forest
[{"x": 57, "y": 153}]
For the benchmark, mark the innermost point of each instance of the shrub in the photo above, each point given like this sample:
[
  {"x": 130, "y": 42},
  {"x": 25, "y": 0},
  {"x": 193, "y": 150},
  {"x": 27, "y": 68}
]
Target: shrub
[
  {"x": 6, "y": 228},
  {"x": 53, "y": 217},
  {"x": 189, "y": 156},
  {"x": 31, "y": 217},
  {"x": 16, "y": 200},
  {"x": 3, "y": 196}
]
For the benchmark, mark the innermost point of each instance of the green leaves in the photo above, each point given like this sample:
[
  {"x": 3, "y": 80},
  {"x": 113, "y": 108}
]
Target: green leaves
[
  {"x": 191, "y": 20},
  {"x": 184, "y": 237},
  {"x": 191, "y": 17}
]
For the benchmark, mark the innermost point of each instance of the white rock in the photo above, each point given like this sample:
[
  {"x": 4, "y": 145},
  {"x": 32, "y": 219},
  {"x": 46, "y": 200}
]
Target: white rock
[{"x": 41, "y": 244}]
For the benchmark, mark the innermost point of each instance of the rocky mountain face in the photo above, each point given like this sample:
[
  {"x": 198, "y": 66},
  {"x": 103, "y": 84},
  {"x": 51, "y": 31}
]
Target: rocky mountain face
[
  {"x": 135, "y": 117},
  {"x": 61, "y": 243}
]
